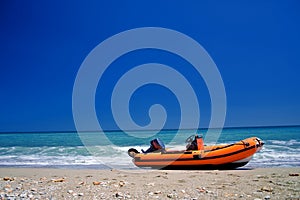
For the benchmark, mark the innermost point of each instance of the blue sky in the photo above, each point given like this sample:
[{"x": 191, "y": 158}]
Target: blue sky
[{"x": 255, "y": 45}]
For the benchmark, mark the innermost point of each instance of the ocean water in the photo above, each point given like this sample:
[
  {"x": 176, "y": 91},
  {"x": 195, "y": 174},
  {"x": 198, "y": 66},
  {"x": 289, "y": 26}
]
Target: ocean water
[{"x": 67, "y": 149}]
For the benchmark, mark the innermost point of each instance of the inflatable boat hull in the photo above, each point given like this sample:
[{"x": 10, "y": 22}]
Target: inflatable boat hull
[{"x": 229, "y": 156}]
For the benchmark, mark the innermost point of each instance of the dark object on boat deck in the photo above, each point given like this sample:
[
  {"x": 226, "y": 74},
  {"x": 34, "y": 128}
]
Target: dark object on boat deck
[{"x": 155, "y": 145}]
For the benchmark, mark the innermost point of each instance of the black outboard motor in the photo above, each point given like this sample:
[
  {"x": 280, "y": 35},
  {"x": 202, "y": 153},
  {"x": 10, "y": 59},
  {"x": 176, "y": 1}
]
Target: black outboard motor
[{"x": 155, "y": 145}]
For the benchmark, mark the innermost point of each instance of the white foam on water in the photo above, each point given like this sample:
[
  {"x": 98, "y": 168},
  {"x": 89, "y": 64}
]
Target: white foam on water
[
  {"x": 285, "y": 143},
  {"x": 278, "y": 154}
]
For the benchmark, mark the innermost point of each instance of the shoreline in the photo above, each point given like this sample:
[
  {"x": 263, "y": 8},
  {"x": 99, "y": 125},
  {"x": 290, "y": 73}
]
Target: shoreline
[{"x": 244, "y": 183}]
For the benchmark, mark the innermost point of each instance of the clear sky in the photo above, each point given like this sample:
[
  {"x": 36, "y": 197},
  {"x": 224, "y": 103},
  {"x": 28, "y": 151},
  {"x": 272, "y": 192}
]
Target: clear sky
[{"x": 255, "y": 44}]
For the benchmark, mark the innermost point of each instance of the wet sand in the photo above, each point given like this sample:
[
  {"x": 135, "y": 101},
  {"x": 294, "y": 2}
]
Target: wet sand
[{"x": 36, "y": 183}]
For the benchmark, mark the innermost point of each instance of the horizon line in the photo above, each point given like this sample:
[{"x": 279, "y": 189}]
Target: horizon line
[{"x": 168, "y": 129}]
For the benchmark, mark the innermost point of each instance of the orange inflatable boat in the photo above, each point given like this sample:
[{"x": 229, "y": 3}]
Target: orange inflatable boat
[{"x": 197, "y": 156}]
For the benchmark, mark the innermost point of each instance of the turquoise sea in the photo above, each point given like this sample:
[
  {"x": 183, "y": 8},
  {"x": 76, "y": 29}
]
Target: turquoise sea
[{"x": 66, "y": 149}]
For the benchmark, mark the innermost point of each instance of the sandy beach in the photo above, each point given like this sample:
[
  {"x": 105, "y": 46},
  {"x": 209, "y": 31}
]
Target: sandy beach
[{"x": 36, "y": 183}]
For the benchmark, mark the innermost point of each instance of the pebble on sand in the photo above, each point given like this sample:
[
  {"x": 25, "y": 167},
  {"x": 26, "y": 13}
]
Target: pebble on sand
[
  {"x": 293, "y": 174},
  {"x": 266, "y": 189},
  {"x": 58, "y": 180},
  {"x": 70, "y": 191},
  {"x": 121, "y": 183},
  {"x": 80, "y": 194},
  {"x": 8, "y": 178},
  {"x": 96, "y": 183}
]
